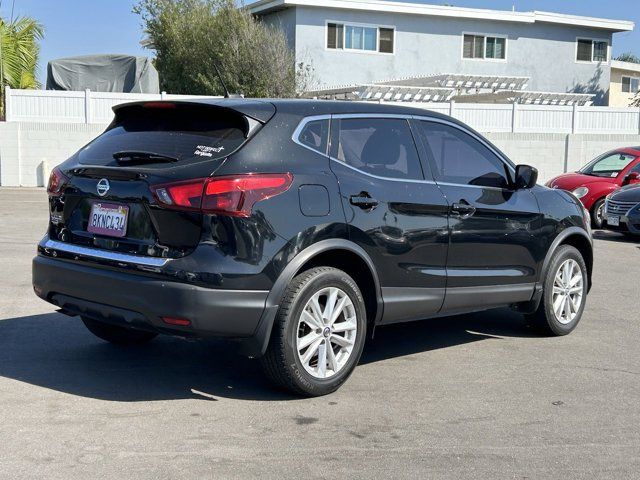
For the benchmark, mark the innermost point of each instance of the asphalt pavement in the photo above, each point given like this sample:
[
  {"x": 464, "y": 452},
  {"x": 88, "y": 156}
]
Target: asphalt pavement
[{"x": 476, "y": 396}]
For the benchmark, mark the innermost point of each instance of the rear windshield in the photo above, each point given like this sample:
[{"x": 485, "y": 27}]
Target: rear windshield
[{"x": 188, "y": 134}]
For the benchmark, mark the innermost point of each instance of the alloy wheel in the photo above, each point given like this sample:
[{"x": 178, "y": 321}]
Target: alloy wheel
[
  {"x": 568, "y": 289},
  {"x": 326, "y": 333}
]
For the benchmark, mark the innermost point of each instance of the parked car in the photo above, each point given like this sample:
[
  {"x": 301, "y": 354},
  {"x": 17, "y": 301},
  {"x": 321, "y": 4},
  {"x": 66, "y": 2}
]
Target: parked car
[
  {"x": 599, "y": 178},
  {"x": 622, "y": 210},
  {"x": 297, "y": 227}
]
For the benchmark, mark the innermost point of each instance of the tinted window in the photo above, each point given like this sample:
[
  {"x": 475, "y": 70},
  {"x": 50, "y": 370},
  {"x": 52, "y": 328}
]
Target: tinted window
[
  {"x": 189, "y": 134},
  {"x": 382, "y": 147},
  {"x": 315, "y": 134},
  {"x": 609, "y": 165},
  {"x": 460, "y": 158}
]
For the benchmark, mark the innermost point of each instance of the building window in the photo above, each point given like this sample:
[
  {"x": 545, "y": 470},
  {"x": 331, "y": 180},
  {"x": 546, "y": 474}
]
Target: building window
[
  {"x": 631, "y": 85},
  {"x": 335, "y": 35},
  {"x": 360, "y": 37},
  {"x": 484, "y": 47},
  {"x": 592, "y": 50}
]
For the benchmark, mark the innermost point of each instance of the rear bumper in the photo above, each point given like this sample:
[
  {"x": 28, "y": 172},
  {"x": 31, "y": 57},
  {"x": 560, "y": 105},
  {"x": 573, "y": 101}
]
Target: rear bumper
[{"x": 141, "y": 302}]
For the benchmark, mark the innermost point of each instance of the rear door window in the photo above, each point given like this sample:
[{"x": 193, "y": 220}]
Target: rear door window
[
  {"x": 378, "y": 146},
  {"x": 188, "y": 134}
]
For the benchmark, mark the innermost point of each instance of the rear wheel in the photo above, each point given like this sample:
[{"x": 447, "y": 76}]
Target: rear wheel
[
  {"x": 597, "y": 214},
  {"x": 564, "y": 293},
  {"x": 116, "y": 334},
  {"x": 318, "y": 334}
]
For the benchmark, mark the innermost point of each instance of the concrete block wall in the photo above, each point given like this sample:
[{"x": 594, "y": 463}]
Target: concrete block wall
[
  {"x": 555, "y": 153},
  {"x": 29, "y": 150}
]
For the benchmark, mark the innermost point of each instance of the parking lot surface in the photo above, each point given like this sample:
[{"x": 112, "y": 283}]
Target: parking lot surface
[{"x": 475, "y": 396}]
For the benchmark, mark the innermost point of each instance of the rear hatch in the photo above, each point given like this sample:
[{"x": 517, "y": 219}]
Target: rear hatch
[{"x": 104, "y": 198}]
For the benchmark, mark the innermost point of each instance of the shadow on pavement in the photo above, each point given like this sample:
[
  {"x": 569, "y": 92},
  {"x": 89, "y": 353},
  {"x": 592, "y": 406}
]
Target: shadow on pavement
[
  {"x": 611, "y": 236},
  {"x": 57, "y": 352}
]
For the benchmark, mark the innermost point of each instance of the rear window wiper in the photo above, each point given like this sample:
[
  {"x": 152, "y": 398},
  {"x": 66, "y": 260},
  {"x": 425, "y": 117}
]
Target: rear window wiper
[{"x": 135, "y": 156}]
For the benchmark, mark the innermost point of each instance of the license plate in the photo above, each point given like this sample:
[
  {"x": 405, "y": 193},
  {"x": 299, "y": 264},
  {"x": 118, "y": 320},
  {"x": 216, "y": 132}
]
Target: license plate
[
  {"x": 108, "y": 219},
  {"x": 613, "y": 221}
]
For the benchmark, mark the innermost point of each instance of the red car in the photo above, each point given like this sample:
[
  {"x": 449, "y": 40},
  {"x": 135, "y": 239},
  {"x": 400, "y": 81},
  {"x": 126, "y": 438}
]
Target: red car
[{"x": 599, "y": 178}]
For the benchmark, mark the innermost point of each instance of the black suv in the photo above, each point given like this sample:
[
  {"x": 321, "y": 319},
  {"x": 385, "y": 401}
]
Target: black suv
[{"x": 296, "y": 227}]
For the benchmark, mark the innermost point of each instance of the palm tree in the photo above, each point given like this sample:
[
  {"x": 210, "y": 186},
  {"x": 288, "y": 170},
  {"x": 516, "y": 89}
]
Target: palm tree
[{"x": 19, "y": 50}]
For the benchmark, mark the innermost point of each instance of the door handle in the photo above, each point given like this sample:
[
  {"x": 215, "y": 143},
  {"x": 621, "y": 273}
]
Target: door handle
[
  {"x": 363, "y": 200},
  {"x": 463, "y": 209}
]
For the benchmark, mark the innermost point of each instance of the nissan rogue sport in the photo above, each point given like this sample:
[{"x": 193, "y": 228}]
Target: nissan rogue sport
[{"x": 297, "y": 227}]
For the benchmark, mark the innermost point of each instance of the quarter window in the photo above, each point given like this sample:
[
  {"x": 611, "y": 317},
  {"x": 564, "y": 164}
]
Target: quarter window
[
  {"x": 358, "y": 37},
  {"x": 630, "y": 84},
  {"x": 315, "y": 135},
  {"x": 592, "y": 50},
  {"x": 484, "y": 47},
  {"x": 459, "y": 158},
  {"x": 378, "y": 146}
]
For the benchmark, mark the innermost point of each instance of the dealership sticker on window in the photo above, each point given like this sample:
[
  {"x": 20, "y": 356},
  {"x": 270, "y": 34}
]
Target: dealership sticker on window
[{"x": 204, "y": 151}]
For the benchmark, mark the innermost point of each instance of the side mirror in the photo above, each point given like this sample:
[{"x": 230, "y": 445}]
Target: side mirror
[
  {"x": 526, "y": 176},
  {"x": 633, "y": 177}
]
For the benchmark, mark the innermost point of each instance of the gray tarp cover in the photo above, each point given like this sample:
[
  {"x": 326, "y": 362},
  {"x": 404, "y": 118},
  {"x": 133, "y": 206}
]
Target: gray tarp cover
[{"x": 103, "y": 73}]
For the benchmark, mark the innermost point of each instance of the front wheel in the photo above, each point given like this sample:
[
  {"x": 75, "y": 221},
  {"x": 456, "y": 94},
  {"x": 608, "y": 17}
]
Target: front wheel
[
  {"x": 564, "y": 293},
  {"x": 318, "y": 334},
  {"x": 597, "y": 214}
]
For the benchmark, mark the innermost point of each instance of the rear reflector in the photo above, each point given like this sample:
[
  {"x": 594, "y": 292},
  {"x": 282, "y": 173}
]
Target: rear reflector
[
  {"x": 181, "y": 322},
  {"x": 233, "y": 195}
]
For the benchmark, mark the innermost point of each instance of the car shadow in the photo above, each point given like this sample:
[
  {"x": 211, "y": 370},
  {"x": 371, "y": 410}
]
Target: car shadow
[
  {"x": 611, "y": 236},
  {"x": 57, "y": 352}
]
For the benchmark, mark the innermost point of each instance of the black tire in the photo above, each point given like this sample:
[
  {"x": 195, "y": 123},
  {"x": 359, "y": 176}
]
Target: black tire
[
  {"x": 545, "y": 319},
  {"x": 281, "y": 362},
  {"x": 597, "y": 214},
  {"x": 116, "y": 334}
]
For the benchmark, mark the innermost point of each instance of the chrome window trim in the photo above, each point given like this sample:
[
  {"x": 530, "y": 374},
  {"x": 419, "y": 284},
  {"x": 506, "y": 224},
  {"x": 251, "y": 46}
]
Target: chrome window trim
[
  {"x": 103, "y": 254},
  {"x": 301, "y": 126},
  {"x": 407, "y": 117}
]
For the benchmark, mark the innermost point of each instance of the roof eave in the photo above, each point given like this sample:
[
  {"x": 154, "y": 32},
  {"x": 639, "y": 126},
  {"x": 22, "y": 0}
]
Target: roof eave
[{"x": 266, "y": 6}]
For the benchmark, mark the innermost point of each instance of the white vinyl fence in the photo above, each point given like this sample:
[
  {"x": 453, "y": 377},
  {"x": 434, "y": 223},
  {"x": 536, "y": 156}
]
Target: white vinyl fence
[
  {"x": 95, "y": 108},
  {"x": 516, "y": 118},
  {"x": 55, "y": 106}
]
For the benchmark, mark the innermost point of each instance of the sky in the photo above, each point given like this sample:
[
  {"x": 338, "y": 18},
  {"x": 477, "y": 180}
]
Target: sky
[{"x": 81, "y": 27}]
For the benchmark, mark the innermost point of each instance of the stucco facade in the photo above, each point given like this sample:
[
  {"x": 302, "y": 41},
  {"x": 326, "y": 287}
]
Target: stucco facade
[
  {"x": 546, "y": 52},
  {"x": 621, "y": 96}
]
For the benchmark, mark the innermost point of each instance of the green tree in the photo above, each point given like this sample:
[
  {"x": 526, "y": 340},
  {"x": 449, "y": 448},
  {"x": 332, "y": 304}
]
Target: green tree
[
  {"x": 191, "y": 37},
  {"x": 19, "y": 50},
  {"x": 628, "y": 57}
]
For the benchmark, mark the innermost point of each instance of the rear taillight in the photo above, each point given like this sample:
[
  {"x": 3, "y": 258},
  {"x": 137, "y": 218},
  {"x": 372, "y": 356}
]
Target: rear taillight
[
  {"x": 233, "y": 195},
  {"x": 57, "y": 181}
]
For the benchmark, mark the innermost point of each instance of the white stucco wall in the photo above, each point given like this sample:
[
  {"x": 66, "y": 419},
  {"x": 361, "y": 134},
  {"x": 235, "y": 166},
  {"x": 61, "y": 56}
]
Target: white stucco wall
[{"x": 429, "y": 45}]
